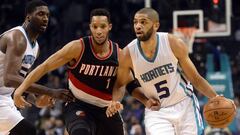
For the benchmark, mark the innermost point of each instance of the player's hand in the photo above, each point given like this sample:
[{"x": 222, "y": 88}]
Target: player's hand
[
  {"x": 63, "y": 94},
  {"x": 153, "y": 104},
  {"x": 19, "y": 101},
  {"x": 113, "y": 108},
  {"x": 45, "y": 101}
]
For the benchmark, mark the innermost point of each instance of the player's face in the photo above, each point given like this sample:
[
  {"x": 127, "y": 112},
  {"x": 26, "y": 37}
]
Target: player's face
[
  {"x": 38, "y": 20},
  {"x": 100, "y": 28},
  {"x": 143, "y": 27}
]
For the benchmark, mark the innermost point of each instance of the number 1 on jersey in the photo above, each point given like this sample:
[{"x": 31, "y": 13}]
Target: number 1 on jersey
[
  {"x": 163, "y": 90},
  {"x": 108, "y": 83}
]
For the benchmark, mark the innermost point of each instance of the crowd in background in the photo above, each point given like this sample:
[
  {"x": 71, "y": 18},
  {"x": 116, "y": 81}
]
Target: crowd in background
[{"x": 70, "y": 20}]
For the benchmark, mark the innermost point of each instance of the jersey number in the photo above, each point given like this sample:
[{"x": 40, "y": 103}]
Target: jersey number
[
  {"x": 164, "y": 91},
  {"x": 108, "y": 83}
]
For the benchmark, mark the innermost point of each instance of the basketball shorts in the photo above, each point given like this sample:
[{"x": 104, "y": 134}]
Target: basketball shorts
[
  {"x": 92, "y": 119},
  {"x": 182, "y": 118},
  {"x": 9, "y": 118}
]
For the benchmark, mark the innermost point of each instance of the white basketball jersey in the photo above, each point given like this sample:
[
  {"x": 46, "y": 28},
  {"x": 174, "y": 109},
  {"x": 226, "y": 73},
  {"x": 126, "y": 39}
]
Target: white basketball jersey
[
  {"x": 160, "y": 77},
  {"x": 27, "y": 61}
]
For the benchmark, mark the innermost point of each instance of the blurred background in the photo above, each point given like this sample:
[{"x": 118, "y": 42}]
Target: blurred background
[{"x": 215, "y": 47}]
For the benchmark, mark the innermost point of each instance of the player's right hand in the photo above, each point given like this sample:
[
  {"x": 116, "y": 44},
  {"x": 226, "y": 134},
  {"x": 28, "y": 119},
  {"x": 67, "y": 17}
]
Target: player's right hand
[
  {"x": 113, "y": 108},
  {"x": 20, "y": 102},
  {"x": 44, "y": 101},
  {"x": 63, "y": 94},
  {"x": 153, "y": 104}
]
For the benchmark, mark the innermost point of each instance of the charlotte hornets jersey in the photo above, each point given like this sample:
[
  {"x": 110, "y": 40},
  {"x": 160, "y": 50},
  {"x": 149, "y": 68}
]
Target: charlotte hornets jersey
[
  {"x": 92, "y": 78},
  {"x": 160, "y": 77},
  {"x": 28, "y": 59}
]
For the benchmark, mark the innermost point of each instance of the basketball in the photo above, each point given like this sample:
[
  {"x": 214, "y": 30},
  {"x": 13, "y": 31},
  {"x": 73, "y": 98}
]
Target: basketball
[{"x": 219, "y": 112}]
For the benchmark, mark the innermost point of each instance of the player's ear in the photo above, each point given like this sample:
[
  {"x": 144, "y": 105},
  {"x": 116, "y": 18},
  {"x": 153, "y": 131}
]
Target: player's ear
[
  {"x": 110, "y": 27},
  {"x": 156, "y": 25},
  {"x": 28, "y": 18}
]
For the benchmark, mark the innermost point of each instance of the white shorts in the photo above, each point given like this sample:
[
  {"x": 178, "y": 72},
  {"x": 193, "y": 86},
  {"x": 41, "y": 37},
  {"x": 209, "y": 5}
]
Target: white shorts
[
  {"x": 180, "y": 119},
  {"x": 9, "y": 118}
]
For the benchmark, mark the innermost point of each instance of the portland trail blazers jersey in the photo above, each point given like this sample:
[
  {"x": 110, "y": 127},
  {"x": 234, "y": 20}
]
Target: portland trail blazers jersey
[
  {"x": 92, "y": 78},
  {"x": 27, "y": 61},
  {"x": 160, "y": 77}
]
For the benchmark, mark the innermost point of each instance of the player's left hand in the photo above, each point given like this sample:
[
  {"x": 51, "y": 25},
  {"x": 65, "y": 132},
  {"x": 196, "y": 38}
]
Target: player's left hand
[
  {"x": 19, "y": 101},
  {"x": 45, "y": 101},
  {"x": 153, "y": 104},
  {"x": 113, "y": 108}
]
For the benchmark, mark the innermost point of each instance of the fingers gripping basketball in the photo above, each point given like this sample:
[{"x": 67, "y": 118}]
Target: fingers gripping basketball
[{"x": 219, "y": 112}]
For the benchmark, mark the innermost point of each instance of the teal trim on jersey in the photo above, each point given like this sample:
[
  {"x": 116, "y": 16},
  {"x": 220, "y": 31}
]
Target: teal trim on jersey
[
  {"x": 184, "y": 88},
  {"x": 155, "y": 54},
  {"x": 33, "y": 44},
  {"x": 200, "y": 128}
]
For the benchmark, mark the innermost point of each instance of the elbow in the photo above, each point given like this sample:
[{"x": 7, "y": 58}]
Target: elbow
[
  {"x": 7, "y": 81},
  {"x": 11, "y": 80}
]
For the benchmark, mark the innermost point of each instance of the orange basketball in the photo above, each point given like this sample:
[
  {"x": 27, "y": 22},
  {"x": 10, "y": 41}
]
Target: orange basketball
[{"x": 219, "y": 112}]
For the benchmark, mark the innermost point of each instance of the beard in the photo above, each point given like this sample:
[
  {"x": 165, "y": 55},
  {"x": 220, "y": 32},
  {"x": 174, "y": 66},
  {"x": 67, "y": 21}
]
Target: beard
[
  {"x": 146, "y": 36},
  {"x": 36, "y": 28}
]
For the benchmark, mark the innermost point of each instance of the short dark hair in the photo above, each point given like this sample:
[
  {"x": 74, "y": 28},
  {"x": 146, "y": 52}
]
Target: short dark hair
[
  {"x": 100, "y": 12},
  {"x": 31, "y": 6},
  {"x": 152, "y": 14}
]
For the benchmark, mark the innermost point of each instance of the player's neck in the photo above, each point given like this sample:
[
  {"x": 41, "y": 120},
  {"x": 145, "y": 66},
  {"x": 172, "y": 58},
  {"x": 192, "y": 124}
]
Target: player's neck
[
  {"x": 101, "y": 50},
  {"x": 149, "y": 47},
  {"x": 32, "y": 35},
  {"x": 150, "y": 44}
]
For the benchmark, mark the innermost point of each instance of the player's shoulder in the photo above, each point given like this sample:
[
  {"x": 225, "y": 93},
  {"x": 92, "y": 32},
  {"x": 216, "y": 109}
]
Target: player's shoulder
[
  {"x": 75, "y": 43},
  {"x": 177, "y": 45},
  {"x": 174, "y": 41},
  {"x": 14, "y": 33}
]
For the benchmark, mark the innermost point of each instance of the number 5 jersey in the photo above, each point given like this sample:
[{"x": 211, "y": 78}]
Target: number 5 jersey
[{"x": 160, "y": 76}]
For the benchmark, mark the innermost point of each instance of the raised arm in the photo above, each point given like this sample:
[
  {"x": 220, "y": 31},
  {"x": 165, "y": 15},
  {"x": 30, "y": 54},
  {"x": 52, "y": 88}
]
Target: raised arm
[
  {"x": 69, "y": 52},
  {"x": 181, "y": 53}
]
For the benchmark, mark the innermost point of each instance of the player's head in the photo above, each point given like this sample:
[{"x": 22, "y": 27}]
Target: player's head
[
  {"x": 37, "y": 15},
  {"x": 100, "y": 25},
  {"x": 146, "y": 23}
]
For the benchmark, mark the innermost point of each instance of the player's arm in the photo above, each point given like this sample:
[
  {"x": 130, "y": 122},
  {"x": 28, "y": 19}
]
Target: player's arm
[
  {"x": 15, "y": 45},
  {"x": 66, "y": 54},
  {"x": 134, "y": 89},
  {"x": 181, "y": 53},
  {"x": 124, "y": 77}
]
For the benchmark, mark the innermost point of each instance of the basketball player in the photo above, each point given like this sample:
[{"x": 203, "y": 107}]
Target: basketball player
[
  {"x": 18, "y": 51},
  {"x": 93, "y": 64},
  {"x": 156, "y": 58}
]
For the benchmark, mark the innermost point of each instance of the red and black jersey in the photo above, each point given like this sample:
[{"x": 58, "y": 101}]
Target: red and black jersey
[{"x": 92, "y": 78}]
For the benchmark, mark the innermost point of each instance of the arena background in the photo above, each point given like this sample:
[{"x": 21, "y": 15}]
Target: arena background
[{"x": 217, "y": 57}]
